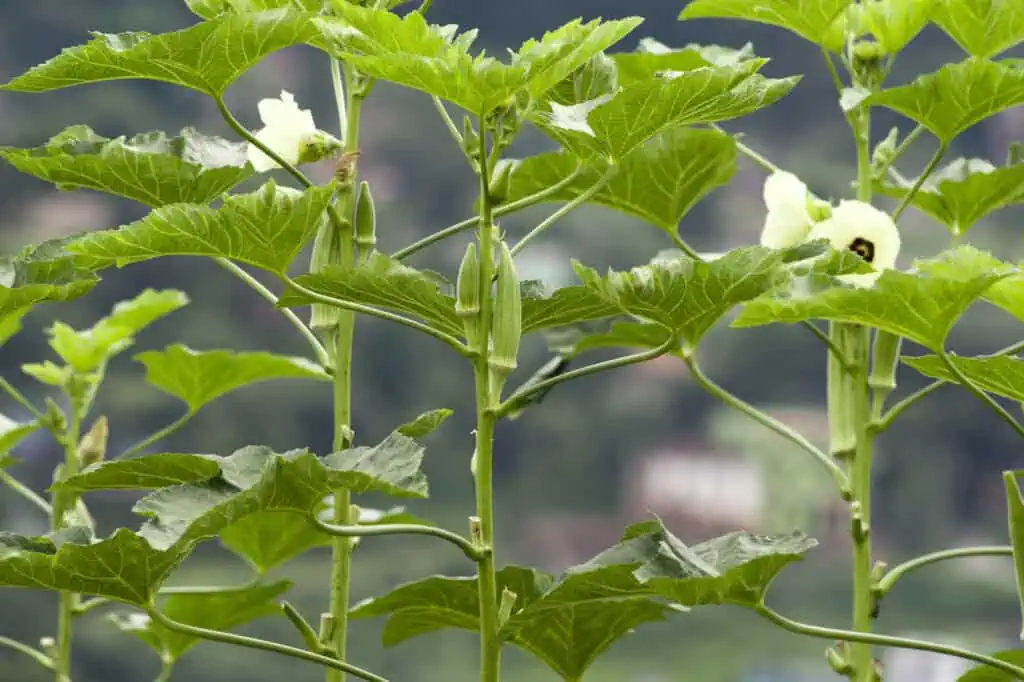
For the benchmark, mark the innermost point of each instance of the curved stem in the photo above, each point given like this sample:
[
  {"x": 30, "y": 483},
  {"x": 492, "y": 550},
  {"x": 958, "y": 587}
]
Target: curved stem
[
  {"x": 36, "y": 655},
  {"x": 981, "y": 395},
  {"x": 760, "y": 417},
  {"x": 263, "y": 645},
  {"x": 467, "y": 547},
  {"x": 469, "y": 223},
  {"x": 383, "y": 314},
  {"x": 268, "y": 295},
  {"x": 909, "y": 196},
  {"x": 901, "y": 148},
  {"x": 424, "y": 6},
  {"x": 25, "y": 492},
  {"x": 10, "y": 390},
  {"x": 512, "y": 402},
  {"x": 887, "y": 641},
  {"x": 886, "y": 583},
  {"x": 244, "y": 133},
  {"x": 448, "y": 122},
  {"x": 580, "y": 199},
  {"x": 832, "y": 72},
  {"x": 829, "y": 344},
  {"x": 159, "y": 435}
]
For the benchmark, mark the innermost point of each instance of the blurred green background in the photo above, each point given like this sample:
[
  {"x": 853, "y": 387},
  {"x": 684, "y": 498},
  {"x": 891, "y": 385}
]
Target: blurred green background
[{"x": 600, "y": 452}]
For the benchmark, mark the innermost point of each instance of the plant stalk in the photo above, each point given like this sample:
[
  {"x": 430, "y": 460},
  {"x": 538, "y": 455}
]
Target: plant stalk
[
  {"x": 490, "y": 644},
  {"x": 341, "y": 547},
  {"x": 63, "y": 502}
]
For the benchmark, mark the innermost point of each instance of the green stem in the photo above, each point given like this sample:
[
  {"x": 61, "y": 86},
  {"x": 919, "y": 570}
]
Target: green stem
[
  {"x": 468, "y": 223},
  {"x": 453, "y": 130},
  {"x": 10, "y": 390},
  {"x": 424, "y": 6},
  {"x": 159, "y": 435},
  {"x": 63, "y": 502},
  {"x": 832, "y": 72},
  {"x": 513, "y": 401},
  {"x": 36, "y": 655},
  {"x": 761, "y": 418},
  {"x": 886, "y": 583},
  {"x": 382, "y": 314},
  {"x": 166, "y": 670},
  {"x": 887, "y": 641},
  {"x": 25, "y": 492},
  {"x": 268, "y": 295},
  {"x": 901, "y": 148},
  {"x": 579, "y": 200},
  {"x": 490, "y": 643},
  {"x": 982, "y": 395},
  {"x": 467, "y": 547},
  {"x": 262, "y": 645},
  {"x": 928, "y": 170},
  {"x": 341, "y": 547}
]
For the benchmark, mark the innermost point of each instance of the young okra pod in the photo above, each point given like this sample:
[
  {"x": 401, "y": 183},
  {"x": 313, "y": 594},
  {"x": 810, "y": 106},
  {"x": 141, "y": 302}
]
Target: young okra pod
[
  {"x": 366, "y": 219},
  {"x": 467, "y": 296},
  {"x": 507, "y": 322}
]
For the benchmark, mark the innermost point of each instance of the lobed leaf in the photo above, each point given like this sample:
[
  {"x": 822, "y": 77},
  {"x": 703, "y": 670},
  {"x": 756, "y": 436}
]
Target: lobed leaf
[
  {"x": 12, "y": 433},
  {"x": 894, "y": 23},
  {"x": 965, "y": 191},
  {"x": 409, "y": 51},
  {"x": 209, "y": 9},
  {"x": 266, "y": 228},
  {"x": 221, "y": 610},
  {"x": 565, "y": 306},
  {"x": 385, "y": 283},
  {"x": 207, "y": 57},
  {"x": 922, "y": 307},
  {"x": 39, "y": 274},
  {"x": 151, "y": 168},
  {"x": 659, "y": 181},
  {"x": 652, "y": 58},
  {"x": 1002, "y": 374},
  {"x": 425, "y": 424},
  {"x": 984, "y": 673},
  {"x": 812, "y": 20},
  {"x": 689, "y": 296},
  {"x": 983, "y": 28},
  {"x": 200, "y": 377},
  {"x": 957, "y": 96}
]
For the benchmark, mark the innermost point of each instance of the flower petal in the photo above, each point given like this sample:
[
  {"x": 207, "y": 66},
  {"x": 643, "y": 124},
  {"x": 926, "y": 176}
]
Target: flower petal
[
  {"x": 854, "y": 221},
  {"x": 785, "y": 191}
]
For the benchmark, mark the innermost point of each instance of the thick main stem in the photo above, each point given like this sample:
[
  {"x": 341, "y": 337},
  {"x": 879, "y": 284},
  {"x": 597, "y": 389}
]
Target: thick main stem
[
  {"x": 63, "y": 502},
  {"x": 857, "y": 345},
  {"x": 490, "y": 644},
  {"x": 341, "y": 349}
]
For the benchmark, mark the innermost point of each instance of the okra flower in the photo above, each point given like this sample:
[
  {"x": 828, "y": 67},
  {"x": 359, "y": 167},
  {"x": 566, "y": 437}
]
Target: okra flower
[
  {"x": 792, "y": 211},
  {"x": 289, "y": 132},
  {"x": 867, "y": 231}
]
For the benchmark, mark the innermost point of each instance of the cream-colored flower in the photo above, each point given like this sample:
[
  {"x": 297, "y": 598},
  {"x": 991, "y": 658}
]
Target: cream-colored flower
[
  {"x": 790, "y": 207},
  {"x": 867, "y": 231},
  {"x": 287, "y": 130}
]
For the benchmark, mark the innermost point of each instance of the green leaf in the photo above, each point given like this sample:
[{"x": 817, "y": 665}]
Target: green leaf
[
  {"x": 270, "y": 539},
  {"x": 957, "y": 96},
  {"x": 86, "y": 350},
  {"x": 1002, "y": 374},
  {"x": 267, "y": 228},
  {"x": 652, "y": 58},
  {"x": 894, "y": 23},
  {"x": 983, "y": 28},
  {"x": 809, "y": 19},
  {"x": 12, "y": 433},
  {"x": 733, "y": 568},
  {"x": 1008, "y": 294},
  {"x": 425, "y": 424},
  {"x": 567, "y": 634},
  {"x": 144, "y": 473},
  {"x": 207, "y": 57},
  {"x": 622, "y": 335},
  {"x": 200, "y": 377},
  {"x": 151, "y": 168},
  {"x": 208, "y": 9},
  {"x": 385, "y": 283},
  {"x": 688, "y": 296},
  {"x": 123, "y": 567},
  {"x": 221, "y": 610},
  {"x": 10, "y": 324},
  {"x": 566, "y": 306},
  {"x": 965, "y": 191},
  {"x": 38, "y": 274},
  {"x": 615, "y": 125},
  {"x": 1015, "y": 505},
  {"x": 984, "y": 673},
  {"x": 659, "y": 181},
  {"x": 922, "y": 307},
  {"x": 409, "y": 51}
]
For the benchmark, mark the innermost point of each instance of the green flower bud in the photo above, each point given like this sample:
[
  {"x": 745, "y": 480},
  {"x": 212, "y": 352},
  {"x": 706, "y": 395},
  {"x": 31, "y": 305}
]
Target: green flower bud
[
  {"x": 366, "y": 219},
  {"x": 470, "y": 138},
  {"x": 507, "y": 324},
  {"x": 501, "y": 183},
  {"x": 467, "y": 296},
  {"x": 868, "y": 59},
  {"x": 318, "y": 147},
  {"x": 838, "y": 662},
  {"x": 92, "y": 449},
  {"x": 325, "y": 253}
]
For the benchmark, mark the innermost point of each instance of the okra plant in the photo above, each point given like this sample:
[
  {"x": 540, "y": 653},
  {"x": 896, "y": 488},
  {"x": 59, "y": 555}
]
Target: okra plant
[{"x": 638, "y": 132}]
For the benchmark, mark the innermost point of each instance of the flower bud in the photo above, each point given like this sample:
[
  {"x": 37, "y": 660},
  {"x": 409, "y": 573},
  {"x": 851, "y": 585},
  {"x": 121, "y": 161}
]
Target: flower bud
[
  {"x": 470, "y": 138},
  {"x": 498, "y": 190},
  {"x": 868, "y": 58},
  {"x": 93, "y": 446},
  {"x": 366, "y": 219},
  {"x": 467, "y": 296},
  {"x": 838, "y": 662},
  {"x": 326, "y": 252},
  {"x": 507, "y": 324},
  {"x": 885, "y": 357}
]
